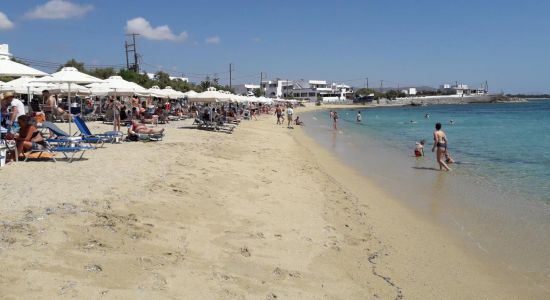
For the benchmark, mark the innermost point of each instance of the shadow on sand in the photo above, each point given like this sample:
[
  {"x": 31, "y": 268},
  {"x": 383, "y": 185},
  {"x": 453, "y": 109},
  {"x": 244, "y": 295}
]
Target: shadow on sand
[{"x": 426, "y": 168}]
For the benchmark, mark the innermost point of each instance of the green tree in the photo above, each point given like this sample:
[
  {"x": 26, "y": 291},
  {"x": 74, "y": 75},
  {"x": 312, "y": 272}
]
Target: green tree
[
  {"x": 391, "y": 94},
  {"x": 162, "y": 79},
  {"x": 75, "y": 64},
  {"x": 18, "y": 61},
  {"x": 206, "y": 83},
  {"x": 364, "y": 92},
  {"x": 141, "y": 79},
  {"x": 259, "y": 93},
  {"x": 102, "y": 73}
]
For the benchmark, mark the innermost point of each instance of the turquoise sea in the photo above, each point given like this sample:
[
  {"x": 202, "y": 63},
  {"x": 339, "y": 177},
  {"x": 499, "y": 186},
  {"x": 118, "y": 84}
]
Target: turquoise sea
[{"x": 497, "y": 195}]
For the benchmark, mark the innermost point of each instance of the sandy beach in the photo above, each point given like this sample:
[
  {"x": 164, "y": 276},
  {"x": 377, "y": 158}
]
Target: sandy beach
[{"x": 263, "y": 213}]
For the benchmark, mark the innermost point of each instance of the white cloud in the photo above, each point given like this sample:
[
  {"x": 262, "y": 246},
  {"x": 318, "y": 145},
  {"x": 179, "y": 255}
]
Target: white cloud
[
  {"x": 213, "y": 40},
  {"x": 58, "y": 10},
  {"x": 160, "y": 33},
  {"x": 5, "y": 23}
]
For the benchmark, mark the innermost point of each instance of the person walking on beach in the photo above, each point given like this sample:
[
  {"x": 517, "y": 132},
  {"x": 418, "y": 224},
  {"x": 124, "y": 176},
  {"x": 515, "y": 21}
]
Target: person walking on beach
[
  {"x": 289, "y": 113},
  {"x": 440, "y": 142},
  {"x": 335, "y": 120},
  {"x": 279, "y": 114},
  {"x": 359, "y": 118},
  {"x": 115, "y": 106}
]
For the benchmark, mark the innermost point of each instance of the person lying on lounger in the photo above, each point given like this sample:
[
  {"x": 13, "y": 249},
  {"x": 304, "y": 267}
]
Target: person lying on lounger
[{"x": 141, "y": 128}]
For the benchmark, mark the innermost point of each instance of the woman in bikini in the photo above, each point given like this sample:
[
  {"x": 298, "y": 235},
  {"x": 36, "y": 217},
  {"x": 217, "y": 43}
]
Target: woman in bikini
[
  {"x": 29, "y": 137},
  {"x": 142, "y": 128},
  {"x": 441, "y": 143}
]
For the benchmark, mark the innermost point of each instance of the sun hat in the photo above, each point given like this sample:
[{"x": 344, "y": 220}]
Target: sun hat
[{"x": 8, "y": 94}]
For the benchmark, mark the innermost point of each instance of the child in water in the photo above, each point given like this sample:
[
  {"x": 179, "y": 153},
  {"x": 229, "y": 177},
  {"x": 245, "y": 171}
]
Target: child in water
[
  {"x": 419, "y": 148},
  {"x": 448, "y": 158}
]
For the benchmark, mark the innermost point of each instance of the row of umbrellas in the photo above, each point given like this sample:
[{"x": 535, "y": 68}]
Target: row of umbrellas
[
  {"x": 213, "y": 96},
  {"x": 69, "y": 80}
]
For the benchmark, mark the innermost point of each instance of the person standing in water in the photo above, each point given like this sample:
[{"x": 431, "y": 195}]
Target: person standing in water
[
  {"x": 335, "y": 120},
  {"x": 359, "y": 118},
  {"x": 441, "y": 143}
]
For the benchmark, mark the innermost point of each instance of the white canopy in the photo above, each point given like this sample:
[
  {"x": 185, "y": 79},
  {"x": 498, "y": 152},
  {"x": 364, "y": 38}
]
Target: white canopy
[
  {"x": 69, "y": 75},
  {"x": 189, "y": 93},
  {"x": 11, "y": 68},
  {"x": 171, "y": 93},
  {"x": 25, "y": 85},
  {"x": 210, "y": 96},
  {"x": 155, "y": 91},
  {"x": 63, "y": 88},
  {"x": 116, "y": 86}
]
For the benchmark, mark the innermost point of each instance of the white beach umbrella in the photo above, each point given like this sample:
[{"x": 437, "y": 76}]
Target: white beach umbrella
[
  {"x": 171, "y": 93},
  {"x": 69, "y": 75},
  {"x": 155, "y": 91},
  {"x": 140, "y": 91},
  {"x": 189, "y": 93},
  {"x": 211, "y": 96},
  {"x": 11, "y": 68},
  {"x": 115, "y": 86},
  {"x": 25, "y": 84},
  {"x": 64, "y": 89}
]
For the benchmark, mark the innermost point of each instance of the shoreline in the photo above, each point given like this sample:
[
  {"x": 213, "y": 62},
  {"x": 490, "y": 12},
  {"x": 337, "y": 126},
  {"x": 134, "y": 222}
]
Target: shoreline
[
  {"x": 262, "y": 213},
  {"x": 403, "y": 228}
]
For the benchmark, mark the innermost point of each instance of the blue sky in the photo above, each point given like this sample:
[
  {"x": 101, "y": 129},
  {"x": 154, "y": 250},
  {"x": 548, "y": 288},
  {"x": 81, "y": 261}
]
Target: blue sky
[{"x": 423, "y": 42}]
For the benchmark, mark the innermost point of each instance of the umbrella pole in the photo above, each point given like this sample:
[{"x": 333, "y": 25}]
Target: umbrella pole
[
  {"x": 114, "y": 117},
  {"x": 29, "y": 96},
  {"x": 70, "y": 115}
]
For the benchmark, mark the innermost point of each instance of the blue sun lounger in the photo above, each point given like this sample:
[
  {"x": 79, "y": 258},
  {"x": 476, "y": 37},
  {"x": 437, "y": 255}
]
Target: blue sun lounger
[
  {"x": 85, "y": 132},
  {"x": 70, "y": 153},
  {"x": 63, "y": 138}
]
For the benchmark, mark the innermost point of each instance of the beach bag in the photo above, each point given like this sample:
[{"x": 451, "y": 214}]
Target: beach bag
[{"x": 132, "y": 138}]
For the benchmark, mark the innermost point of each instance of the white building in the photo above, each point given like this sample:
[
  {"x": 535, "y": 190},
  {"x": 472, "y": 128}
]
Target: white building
[
  {"x": 152, "y": 76},
  {"x": 5, "y": 50},
  {"x": 246, "y": 89},
  {"x": 461, "y": 89},
  {"x": 309, "y": 90}
]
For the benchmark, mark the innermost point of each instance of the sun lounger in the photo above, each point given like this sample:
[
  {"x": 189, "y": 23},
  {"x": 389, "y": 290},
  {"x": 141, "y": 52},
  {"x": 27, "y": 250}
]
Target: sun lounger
[
  {"x": 110, "y": 137},
  {"x": 213, "y": 125},
  {"x": 70, "y": 153},
  {"x": 62, "y": 138}
]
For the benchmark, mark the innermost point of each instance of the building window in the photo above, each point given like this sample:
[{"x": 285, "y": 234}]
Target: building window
[{"x": 312, "y": 94}]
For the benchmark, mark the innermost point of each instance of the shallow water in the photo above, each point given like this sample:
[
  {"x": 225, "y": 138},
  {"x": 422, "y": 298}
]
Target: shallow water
[{"x": 497, "y": 198}]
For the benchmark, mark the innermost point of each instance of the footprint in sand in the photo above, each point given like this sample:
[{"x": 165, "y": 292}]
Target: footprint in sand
[{"x": 245, "y": 252}]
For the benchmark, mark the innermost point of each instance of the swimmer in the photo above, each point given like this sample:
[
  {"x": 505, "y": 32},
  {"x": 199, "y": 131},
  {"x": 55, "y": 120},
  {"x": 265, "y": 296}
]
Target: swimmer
[
  {"x": 359, "y": 118},
  {"x": 452, "y": 122},
  {"x": 427, "y": 116}
]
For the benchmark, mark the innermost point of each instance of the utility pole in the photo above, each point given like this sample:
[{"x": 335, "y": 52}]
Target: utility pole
[
  {"x": 132, "y": 48},
  {"x": 367, "y": 83},
  {"x": 261, "y": 79},
  {"x": 381, "y": 85},
  {"x": 126, "y": 52}
]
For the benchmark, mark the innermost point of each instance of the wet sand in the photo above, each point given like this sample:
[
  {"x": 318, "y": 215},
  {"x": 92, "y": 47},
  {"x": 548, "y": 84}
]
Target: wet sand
[{"x": 263, "y": 213}]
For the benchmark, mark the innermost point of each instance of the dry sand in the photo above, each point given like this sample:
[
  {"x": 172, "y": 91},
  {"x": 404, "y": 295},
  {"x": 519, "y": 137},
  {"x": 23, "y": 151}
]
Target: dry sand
[{"x": 262, "y": 213}]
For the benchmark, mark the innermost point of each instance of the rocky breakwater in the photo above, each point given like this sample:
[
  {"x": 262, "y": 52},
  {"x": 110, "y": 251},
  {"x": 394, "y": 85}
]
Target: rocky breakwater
[{"x": 497, "y": 98}]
